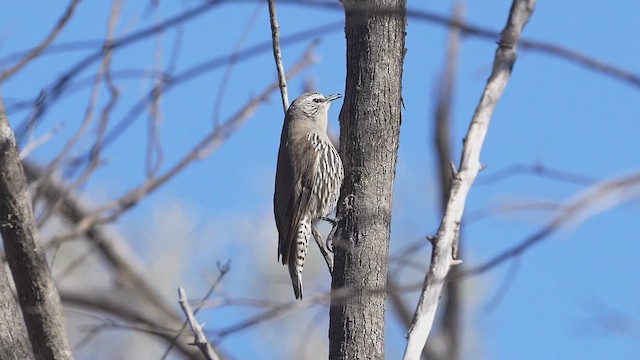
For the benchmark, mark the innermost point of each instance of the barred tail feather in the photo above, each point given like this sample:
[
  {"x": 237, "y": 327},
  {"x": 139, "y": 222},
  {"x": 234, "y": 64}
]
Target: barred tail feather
[
  {"x": 298, "y": 255},
  {"x": 296, "y": 280}
]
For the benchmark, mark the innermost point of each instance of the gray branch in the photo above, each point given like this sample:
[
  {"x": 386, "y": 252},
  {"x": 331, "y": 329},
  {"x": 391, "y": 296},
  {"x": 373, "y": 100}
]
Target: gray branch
[
  {"x": 277, "y": 54},
  {"x": 442, "y": 258},
  {"x": 200, "y": 341},
  {"x": 37, "y": 294}
]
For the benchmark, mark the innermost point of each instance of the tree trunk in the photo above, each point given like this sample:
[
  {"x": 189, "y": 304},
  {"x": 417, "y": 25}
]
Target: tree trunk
[
  {"x": 14, "y": 344},
  {"x": 37, "y": 294},
  {"x": 370, "y": 126}
]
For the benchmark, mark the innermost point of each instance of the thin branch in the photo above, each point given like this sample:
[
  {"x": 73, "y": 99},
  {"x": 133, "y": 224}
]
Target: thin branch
[
  {"x": 197, "y": 70},
  {"x": 442, "y": 255},
  {"x": 210, "y": 142},
  {"x": 223, "y": 270},
  {"x": 277, "y": 55},
  {"x": 537, "y": 169},
  {"x": 484, "y": 33},
  {"x": 35, "y": 52},
  {"x": 403, "y": 312},
  {"x": 232, "y": 62},
  {"x": 593, "y": 200},
  {"x": 54, "y": 91},
  {"x": 200, "y": 340},
  {"x": 120, "y": 308},
  {"x": 36, "y": 143},
  {"x": 115, "y": 252}
]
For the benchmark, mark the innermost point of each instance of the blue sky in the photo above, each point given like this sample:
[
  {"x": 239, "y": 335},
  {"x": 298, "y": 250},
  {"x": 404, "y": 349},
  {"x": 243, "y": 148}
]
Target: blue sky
[{"x": 553, "y": 112}]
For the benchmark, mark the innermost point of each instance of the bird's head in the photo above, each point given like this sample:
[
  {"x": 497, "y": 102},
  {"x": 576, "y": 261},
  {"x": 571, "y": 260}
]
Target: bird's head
[{"x": 311, "y": 106}]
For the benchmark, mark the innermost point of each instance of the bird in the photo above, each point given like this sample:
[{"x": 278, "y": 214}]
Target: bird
[{"x": 309, "y": 176}]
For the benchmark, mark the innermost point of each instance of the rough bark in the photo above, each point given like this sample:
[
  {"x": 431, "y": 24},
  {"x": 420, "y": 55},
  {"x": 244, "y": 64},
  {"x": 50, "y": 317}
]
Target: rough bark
[
  {"x": 14, "y": 343},
  {"x": 370, "y": 124},
  {"x": 37, "y": 293}
]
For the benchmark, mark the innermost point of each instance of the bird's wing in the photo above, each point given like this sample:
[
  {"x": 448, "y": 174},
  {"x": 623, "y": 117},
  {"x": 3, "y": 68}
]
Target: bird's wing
[
  {"x": 301, "y": 197},
  {"x": 282, "y": 199}
]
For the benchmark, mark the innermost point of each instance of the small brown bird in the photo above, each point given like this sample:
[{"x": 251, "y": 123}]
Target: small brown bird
[{"x": 308, "y": 179}]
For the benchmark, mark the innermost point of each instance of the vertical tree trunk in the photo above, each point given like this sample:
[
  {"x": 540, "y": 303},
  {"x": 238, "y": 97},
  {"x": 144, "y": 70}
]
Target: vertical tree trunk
[
  {"x": 14, "y": 343},
  {"x": 370, "y": 126},
  {"x": 37, "y": 294}
]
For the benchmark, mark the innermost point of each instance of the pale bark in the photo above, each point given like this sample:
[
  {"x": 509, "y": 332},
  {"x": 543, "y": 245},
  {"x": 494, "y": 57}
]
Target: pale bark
[{"x": 443, "y": 254}]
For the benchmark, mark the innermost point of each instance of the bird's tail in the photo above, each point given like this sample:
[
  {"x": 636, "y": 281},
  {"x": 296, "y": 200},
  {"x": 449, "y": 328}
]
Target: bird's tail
[
  {"x": 296, "y": 280},
  {"x": 298, "y": 255}
]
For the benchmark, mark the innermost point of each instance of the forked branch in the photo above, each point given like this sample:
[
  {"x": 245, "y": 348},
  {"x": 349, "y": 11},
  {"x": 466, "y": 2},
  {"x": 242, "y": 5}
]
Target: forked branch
[{"x": 442, "y": 258}]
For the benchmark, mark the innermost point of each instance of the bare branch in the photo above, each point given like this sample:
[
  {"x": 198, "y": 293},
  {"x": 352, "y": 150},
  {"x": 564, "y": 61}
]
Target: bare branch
[
  {"x": 196, "y": 70},
  {"x": 37, "y": 293},
  {"x": 537, "y": 169},
  {"x": 442, "y": 255},
  {"x": 35, "y": 52},
  {"x": 593, "y": 200},
  {"x": 200, "y": 339},
  {"x": 530, "y": 44},
  {"x": 223, "y": 269},
  {"x": 112, "y": 249},
  {"x": 208, "y": 144},
  {"x": 277, "y": 55},
  {"x": 119, "y": 307},
  {"x": 450, "y": 328},
  {"x": 36, "y": 143},
  {"x": 232, "y": 62}
]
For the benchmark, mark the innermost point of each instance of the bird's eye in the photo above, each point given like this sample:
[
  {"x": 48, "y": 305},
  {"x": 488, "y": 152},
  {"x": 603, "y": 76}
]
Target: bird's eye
[{"x": 317, "y": 100}]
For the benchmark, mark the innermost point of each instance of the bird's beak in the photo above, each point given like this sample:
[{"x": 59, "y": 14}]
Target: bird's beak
[{"x": 332, "y": 97}]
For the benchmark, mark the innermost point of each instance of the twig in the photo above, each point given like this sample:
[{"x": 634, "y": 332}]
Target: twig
[
  {"x": 594, "y": 199},
  {"x": 36, "y": 143},
  {"x": 277, "y": 55},
  {"x": 223, "y": 270},
  {"x": 54, "y": 91},
  {"x": 35, "y": 52},
  {"x": 200, "y": 340},
  {"x": 209, "y": 143},
  {"x": 232, "y": 62},
  {"x": 492, "y": 35},
  {"x": 114, "y": 251},
  {"x": 197, "y": 70},
  {"x": 537, "y": 169},
  {"x": 119, "y": 308},
  {"x": 442, "y": 255}
]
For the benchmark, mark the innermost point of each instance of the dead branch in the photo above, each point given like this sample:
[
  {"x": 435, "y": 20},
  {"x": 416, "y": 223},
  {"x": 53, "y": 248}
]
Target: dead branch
[
  {"x": 116, "y": 253},
  {"x": 232, "y": 62},
  {"x": 593, "y": 200},
  {"x": 442, "y": 255},
  {"x": 277, "y": 55},
  {"x": 200, "y": 341},
  {"x": 556, "y": 50},
  {"x": 119, "y": 307},
  {"x": 450, "y": 328},
  {"x": 223, "y": 269},
  {"x": 114, "y": 209},
  {"x": 35, "y": 52}
]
